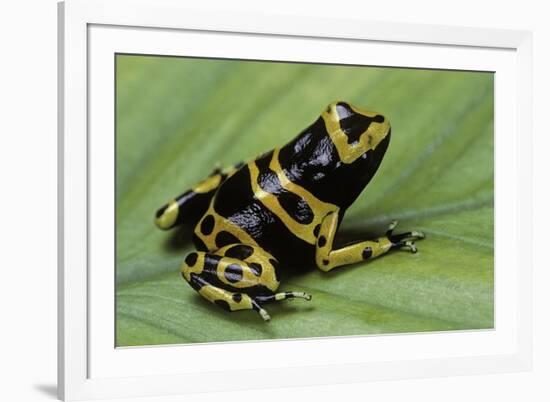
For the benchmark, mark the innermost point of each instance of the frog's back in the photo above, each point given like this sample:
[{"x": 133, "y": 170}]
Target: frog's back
[{"x": 253, "y": 207}]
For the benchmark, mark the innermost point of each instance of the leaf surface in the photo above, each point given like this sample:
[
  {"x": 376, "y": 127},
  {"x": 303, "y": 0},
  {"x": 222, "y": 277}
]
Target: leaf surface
[{"x": 179, "y": 118}]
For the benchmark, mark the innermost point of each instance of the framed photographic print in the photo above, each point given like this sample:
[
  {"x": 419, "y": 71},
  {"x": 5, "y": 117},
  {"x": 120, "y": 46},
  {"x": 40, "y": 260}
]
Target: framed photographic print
[{"x": 348, "y": 197}]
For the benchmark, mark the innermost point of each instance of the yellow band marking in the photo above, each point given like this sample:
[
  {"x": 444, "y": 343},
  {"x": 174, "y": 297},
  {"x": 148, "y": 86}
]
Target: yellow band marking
[
  {"x": 221, "y": 224},
  {"x": 270, "y": 201},
  {"x": 367, "y": 141},
  {"x": 212, "y": 293},
  {"x": 195, "y": 269},
  {"x": 328, "y": 258},
  {"x": 208, "y": 184},
  {"x": 249, "y": 279},
  {"x": 169, "y": 216},
  {"x": 213, "y": 181}
]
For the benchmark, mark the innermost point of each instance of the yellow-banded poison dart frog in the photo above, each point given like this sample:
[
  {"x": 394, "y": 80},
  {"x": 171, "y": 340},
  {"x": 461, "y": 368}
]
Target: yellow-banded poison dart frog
[{"x": 281, "y": 211}]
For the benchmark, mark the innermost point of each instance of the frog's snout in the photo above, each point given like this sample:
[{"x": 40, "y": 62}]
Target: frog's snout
[{"x": 166, "y": 217}]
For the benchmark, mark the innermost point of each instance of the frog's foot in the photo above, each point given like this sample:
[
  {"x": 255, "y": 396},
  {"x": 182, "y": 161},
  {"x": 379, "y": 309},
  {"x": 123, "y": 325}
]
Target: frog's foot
[
  {"x": 236, "y": 277},
  {"x": 328, "y": 258},
  {"x": 282, "y": 296},
  {"x": 260, "y": 300},
  {"x": 403, "y": 240}
]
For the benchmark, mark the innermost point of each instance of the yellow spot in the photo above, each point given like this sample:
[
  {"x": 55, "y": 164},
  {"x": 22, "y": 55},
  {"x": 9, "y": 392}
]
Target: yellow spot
[
  {"x": 197, "y": 268},
  {"x": 168, "y": 217}
]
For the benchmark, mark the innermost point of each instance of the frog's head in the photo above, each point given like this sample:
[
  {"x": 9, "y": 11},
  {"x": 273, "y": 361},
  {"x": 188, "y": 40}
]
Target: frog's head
[
  {"x": 354, "y": 131},
  {"x": 337, "y": 155},
  {"x": 359, "y": 139}
]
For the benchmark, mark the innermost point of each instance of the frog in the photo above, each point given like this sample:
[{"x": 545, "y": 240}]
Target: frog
[{"x": 257, "y": 220}]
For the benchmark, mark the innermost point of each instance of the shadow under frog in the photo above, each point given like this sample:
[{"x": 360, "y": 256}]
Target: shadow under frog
[{"x": 260, "y": 221}]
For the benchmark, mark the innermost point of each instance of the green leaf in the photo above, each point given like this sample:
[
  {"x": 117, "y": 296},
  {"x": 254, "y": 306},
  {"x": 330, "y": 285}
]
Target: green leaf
[{"x": 178, "y": 118}]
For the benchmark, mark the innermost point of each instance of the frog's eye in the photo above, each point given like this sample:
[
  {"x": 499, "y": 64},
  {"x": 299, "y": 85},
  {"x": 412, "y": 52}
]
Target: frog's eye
[{"x": 344, "y": 110}]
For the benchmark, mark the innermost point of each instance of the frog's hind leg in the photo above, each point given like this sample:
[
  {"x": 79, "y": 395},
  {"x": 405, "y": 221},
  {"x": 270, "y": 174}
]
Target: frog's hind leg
[
  {"x": 227, "y": 300},
  {"x": 328, "y": 258},
  {"x": 187, "y": 208},
  {"x": 236, "y": 277}
]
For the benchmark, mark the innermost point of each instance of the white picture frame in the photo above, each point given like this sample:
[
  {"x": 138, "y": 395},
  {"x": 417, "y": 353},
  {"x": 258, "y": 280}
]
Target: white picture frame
[{"x": 89, "y": 365}]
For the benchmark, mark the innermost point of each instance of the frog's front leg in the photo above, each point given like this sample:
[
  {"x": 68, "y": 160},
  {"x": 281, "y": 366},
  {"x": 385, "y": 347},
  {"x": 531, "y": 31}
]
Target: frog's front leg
[
  {"x": 327, "y": 258},
  {"x": 236, "y": 277},
  {"x": 187, "y": 208}
]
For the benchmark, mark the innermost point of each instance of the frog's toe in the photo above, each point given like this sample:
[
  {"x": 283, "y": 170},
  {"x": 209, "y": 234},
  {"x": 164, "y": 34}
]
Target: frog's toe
[
  {"x": 409, "y": 245},
  {"x": 414, "y": 235},
  {"x": 405, "y": 245},
  {"x": 264, "y": 314},
  {"x": 260, "y": 310},
  {"x": 282, "y": 296},
  {"x": 419, "y": 235},
  {"x": 300, "y": 295},
  {"x": 391, "y": 226}
]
